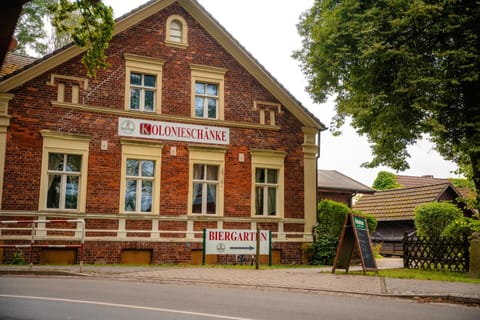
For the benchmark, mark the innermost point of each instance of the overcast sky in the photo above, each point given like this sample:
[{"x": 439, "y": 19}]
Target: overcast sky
[{"x": 267, "y": 29}]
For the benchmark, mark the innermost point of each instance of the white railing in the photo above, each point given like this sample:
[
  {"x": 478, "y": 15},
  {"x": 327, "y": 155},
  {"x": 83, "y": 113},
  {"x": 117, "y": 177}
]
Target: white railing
[{"x": 33, "y": 236}]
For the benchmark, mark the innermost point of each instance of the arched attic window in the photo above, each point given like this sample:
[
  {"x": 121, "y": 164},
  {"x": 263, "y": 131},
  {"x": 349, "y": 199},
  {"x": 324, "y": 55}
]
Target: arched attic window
[{"x": 177, "y": 31}]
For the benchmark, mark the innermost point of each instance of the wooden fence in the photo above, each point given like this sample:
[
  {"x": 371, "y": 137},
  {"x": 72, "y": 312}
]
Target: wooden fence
[{"x": 436, "y": 254}]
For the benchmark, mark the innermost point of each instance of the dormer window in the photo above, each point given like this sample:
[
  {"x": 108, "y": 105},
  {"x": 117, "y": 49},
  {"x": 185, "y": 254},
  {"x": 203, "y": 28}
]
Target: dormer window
[{"x": 176, "y": 32}]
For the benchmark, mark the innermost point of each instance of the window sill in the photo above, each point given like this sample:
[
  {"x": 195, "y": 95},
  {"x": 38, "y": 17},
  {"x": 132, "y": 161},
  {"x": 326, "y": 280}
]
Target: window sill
[{"x": 174, "y": 44}]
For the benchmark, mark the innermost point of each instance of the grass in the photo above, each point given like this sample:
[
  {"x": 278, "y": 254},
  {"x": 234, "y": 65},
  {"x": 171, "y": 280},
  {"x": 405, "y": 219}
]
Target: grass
[{"x": 422, "y": 275}]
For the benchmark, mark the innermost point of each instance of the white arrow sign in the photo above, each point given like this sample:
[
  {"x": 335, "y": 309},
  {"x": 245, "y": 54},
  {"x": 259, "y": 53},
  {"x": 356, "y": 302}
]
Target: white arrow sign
[{"x": 221, "y": 241}]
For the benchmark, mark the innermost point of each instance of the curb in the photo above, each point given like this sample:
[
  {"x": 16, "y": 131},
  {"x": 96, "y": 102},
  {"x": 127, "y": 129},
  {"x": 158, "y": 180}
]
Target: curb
[{"x": 42, "y": 273}]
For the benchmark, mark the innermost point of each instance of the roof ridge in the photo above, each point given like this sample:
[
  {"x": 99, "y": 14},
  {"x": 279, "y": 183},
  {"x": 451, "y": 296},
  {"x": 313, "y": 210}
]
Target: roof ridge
[{"x": 415, "y": 187}]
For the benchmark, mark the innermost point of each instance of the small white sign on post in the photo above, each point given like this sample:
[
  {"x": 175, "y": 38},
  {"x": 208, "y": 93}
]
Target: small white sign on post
[{"x": 221, "y": 241}]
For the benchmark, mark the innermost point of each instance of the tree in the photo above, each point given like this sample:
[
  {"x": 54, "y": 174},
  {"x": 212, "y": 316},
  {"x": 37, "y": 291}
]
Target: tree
[
  {"x": 385, "y": 181},
  {"x": 402, "y": 70},
  {"x": 90, "y": 24},
  {"x": 30, "y": 32}
]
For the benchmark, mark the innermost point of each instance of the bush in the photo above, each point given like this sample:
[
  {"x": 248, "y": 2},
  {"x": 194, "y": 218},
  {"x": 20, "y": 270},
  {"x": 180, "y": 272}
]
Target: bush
[
  {"x": 432, "y": 218},
  {"x": 323, "y": 250},
  {"x": 461, "y": 228},
  {"x": 18, "y": 259},
  {"x": 331, "y": 218}
]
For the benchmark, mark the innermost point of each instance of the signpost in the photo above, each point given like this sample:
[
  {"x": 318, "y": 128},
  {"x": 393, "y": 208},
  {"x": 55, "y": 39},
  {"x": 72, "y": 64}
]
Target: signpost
[
  {"x": 355, "y": 235},
  {"x": 238, "y": 242}
]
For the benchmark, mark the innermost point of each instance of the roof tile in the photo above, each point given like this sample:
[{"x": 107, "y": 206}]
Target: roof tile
[{"x": 399, "y": 204}]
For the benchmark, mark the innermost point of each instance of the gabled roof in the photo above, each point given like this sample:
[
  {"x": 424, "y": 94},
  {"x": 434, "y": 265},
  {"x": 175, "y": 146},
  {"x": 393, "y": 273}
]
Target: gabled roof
[
  {"x": 231, "y": 45},
  {"x": 333, "y": 180},
  {"x": 413, "y": 181},
  {"x": 399, "y": 204},
  {"x": 14, "y": 62}
]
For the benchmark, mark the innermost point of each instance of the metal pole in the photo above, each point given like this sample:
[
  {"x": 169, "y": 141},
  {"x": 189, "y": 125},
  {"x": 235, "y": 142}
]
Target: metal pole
[
  {"x": 270, "y": 248},
  {"x": 32, "y": 241},
  {"x": 204, "y": 246},
  {"x": 82, "y": 244},
  {"x": 257, "y": 253}
]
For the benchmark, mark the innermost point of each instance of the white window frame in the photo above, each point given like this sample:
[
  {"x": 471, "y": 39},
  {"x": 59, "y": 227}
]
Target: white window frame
[
  {"x": 66, "y": 144},
  {"x": 269, "y": 159},
  {"x": 266, "y": 186},
  {"x": 206, "y": 98},
  {"x": 204, "y": 182},
  {"x": 143, "y": 90},
  {"x": 144, "y": 66},
  {"x": 213, "y": 156},
  {"x": 170, "y": 40},
  {"x": 139, "y": 179},
  {"x": 208, "y": 75},
  {"x": 141, "y": 150}
]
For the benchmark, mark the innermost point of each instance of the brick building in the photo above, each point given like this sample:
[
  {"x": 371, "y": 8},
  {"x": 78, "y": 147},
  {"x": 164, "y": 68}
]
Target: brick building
[{"x": 184, "y": 131}]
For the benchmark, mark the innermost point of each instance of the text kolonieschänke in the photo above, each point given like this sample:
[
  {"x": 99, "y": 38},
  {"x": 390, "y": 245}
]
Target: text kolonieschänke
[{"x": 206, "y": 134}]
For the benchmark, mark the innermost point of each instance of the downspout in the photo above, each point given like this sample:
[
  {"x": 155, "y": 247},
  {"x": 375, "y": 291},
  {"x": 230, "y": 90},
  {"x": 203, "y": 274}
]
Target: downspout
[{"x": 316, "y": 184}]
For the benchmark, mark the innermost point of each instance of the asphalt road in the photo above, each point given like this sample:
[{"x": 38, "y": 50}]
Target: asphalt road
[{"x": 73, "y": 298}]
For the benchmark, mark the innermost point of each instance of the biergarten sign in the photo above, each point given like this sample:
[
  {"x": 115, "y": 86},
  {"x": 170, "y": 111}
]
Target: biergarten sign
[
  {"x": 237, "y": 242},
  {"x": 223, "y": 241},
  {"x": 172, "y": 131}
]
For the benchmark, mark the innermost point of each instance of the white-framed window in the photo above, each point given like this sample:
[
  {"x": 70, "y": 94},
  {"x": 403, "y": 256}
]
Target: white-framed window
[
  {"x": 204, "y": 188},
  {"x": 206, "y": 100},
  {"x": 207, "y": 92},
  {"x": 63, "y": 183},
  {"x": 206, "y": 170},
  {"x": 266, "y": 191},
  {"x": 176, "y": 34},
  {"x": 143, "y": 83},
  {"x": 140, "y": 177},
  {"x": 267, "y": 183},
  {"x": 142, "y": 91},
  {"x": 176, "y": 28},
  {"x": 64, "y": 172}
]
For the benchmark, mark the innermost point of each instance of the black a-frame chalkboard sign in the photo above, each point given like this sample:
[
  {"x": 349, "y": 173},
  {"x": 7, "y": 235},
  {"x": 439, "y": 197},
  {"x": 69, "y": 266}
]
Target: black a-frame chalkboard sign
[{"x": 355, "y": 236}]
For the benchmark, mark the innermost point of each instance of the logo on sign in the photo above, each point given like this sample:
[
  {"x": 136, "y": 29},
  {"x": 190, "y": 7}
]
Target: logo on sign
[
  {"x": 359, "y": 223},
  {"x": 221, "y": 247},
  {"x": 127, "y": 126}
]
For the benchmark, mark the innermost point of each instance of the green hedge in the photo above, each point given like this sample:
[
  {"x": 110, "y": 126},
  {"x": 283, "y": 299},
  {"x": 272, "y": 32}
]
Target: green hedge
[
  {"x": 331, "y": 217},
  {"x": 461, "y": 228},
  {"x": 432, "y": 218}
]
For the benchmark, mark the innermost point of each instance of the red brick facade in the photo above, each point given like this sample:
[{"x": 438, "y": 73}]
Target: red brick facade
[{"x": 35, "y": 108}]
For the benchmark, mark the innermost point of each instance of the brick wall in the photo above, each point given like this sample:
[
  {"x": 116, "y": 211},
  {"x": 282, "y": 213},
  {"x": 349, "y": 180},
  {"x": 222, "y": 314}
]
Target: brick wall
[
  {"x": 107, "y": 252},
  {"x": 31, "y": 110},
  {"x": 338, "y": 197}
]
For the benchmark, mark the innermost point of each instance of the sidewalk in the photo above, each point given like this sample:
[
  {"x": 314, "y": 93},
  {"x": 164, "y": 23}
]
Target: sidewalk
[{"x": 303, "y": 279}]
